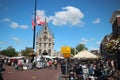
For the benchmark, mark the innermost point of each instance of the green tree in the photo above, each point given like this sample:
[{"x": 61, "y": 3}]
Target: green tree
[
  {"x": 72, "y": 51},
  {"x": 113, "y": 49},
  {"x": 9, "y": 51},
  {"x": 26, "y": 51},
  {"x": 80, "y": 47},
  {"x": 113, "y": 45}
]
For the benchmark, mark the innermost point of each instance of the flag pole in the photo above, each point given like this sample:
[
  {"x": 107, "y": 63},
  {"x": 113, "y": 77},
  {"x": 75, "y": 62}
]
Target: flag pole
[{"x": 34, "y": 32}]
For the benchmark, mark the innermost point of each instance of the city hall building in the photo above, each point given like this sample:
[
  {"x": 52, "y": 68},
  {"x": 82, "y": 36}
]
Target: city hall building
[{"x": 45, "y": 41}]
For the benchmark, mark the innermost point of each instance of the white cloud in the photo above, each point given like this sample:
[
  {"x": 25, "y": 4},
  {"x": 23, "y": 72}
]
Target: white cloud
[
  {"x": 84, "y": 41},
  {"x": 93, "y": 48},
  {"x": 5, "y": 20},
  {"x": 14, "y": 25},
  {"x": 98, "y": 42},
  {"x": 16, "y": 39},
  {"x": 41, "y": 14},
  {"x": 24, "y": 26},
  {"x": 96, "y": 21},
  {"x": 69, "y": 15},
  {"x": 2, "y": 42}
]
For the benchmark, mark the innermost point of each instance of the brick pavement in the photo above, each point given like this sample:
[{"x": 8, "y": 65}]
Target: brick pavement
[
  {"x": 35, "y": 74},
  {"x": 38, "y": 74}
]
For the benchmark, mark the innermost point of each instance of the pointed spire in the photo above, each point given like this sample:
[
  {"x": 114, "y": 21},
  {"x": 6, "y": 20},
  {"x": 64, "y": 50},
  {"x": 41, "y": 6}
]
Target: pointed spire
[
  {"x": 45, "y": 22},
  {"x": 45, "y": 19}
]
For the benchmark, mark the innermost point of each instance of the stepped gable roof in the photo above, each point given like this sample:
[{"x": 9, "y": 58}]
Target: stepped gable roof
[
  {"x": 44, "y": 29},
  {"x": 114, "y": 15}
]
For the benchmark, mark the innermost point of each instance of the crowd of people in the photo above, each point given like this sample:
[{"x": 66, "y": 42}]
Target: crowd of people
[
  {"x": 25, "y": 63},
  {"x": 88, "y": 69},
  {"x": 1, "y": 68},
  {"x": 75, "y": 68}
]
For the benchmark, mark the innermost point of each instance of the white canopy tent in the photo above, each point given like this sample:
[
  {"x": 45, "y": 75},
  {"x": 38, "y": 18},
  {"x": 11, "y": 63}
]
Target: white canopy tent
[{"x": 85, "y": 55}]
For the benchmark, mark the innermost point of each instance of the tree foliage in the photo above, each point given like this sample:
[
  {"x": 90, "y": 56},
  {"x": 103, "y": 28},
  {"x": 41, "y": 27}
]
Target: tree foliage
[
  {"x": 80, "y": 47},
  {"x": 113, "y": 45},
  {"x": 72, "y": 51},
  {"x": 9, "y": 51},
  {"x": 26, "y": 51}
]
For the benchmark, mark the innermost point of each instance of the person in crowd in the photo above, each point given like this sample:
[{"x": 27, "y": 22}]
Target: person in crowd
[
  {"x": 85, "y": 71},
  {"x": 29, "y": 65},
  {"x": 78, "y": 71},
  {"x": 62, "y": 64},
  {"x": 1, "y": 78},
  {"x": 91, "y": 70},
  {"x": 50, "y": 64},
  {"x": 27, "y": 62},
  {"x": 1, "y": 65},
  {"x": 109, "y": 63},
  {"x": 34, "y": 64},
  {"x": 112, "y": 64},
  {"x": 16, "y": 64},
  {"x": 55, "y": 63},
  {"x": 71, "y": 72},
  {"x": 19, "y": 65}
]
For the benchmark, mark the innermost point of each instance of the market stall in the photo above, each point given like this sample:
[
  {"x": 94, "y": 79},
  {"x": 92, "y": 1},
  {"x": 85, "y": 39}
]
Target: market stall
[{"x": 85, "y": 55}]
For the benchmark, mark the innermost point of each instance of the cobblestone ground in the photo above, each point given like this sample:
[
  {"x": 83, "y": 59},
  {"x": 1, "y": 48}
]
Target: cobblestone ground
[
  {"x": 40, "y": 74},
  {"x": 35, "y": 74},
  {"x": 115, "y": 76}
]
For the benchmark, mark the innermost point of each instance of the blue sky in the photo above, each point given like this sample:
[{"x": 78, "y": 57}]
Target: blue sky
[{"x": 71, "y": 21}]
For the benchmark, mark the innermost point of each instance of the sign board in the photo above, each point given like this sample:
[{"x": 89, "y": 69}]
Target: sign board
[{"x": 66, "y": 50}]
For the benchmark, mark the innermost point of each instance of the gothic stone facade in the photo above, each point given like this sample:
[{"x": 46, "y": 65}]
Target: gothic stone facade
[{"x": 45, "y": 41}]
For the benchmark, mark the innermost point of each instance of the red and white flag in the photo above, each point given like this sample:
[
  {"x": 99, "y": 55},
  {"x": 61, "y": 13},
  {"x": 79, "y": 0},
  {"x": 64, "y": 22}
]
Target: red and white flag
[
  {"x": 33, "y": 24},
  {"x": 39, "y": 21}
]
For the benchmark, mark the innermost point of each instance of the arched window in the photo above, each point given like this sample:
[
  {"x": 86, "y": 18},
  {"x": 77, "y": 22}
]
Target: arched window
[
  {"x": 45, "y": 45},
  {"x": 39, "y": 51},
  {"x": 49, "y": 51},
  {"x": 40, "y": 44},
  {"x": 45, "y": 52},
  {"x": 40, "y": 39},
  {"x": 45, "y": 32},
  {"x": 49, "y": 45},
  {"x": 45, "y": 38},
  {"x": 49, "y": 39}
]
